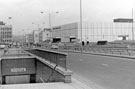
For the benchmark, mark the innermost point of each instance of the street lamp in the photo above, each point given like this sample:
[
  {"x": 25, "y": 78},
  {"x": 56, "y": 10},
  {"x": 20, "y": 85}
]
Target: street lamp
[
  {"x": 50, "y": 23},
  {"x": 81, "y": 18},
  {"x": 38, "y": 27},
  {"x": 49, "y": 14},
  {"x": 82, "y": 43},
  {"x": 132, "y": 24},
  {"x": 49, "y": 18}
]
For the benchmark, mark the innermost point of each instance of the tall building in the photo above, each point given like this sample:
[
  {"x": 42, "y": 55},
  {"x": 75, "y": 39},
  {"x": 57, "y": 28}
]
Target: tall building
[{"x": 5, "y": 33}]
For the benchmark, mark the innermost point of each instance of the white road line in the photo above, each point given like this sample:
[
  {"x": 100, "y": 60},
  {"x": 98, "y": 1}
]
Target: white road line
[{"x": 104, "y": 64}]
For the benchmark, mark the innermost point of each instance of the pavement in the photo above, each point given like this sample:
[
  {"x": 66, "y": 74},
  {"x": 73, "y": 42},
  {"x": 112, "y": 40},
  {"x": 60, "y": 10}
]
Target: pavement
[{"x": 74, "y": 85}]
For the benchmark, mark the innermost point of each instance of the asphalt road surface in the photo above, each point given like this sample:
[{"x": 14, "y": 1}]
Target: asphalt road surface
[{"x": 101, "y": 72}]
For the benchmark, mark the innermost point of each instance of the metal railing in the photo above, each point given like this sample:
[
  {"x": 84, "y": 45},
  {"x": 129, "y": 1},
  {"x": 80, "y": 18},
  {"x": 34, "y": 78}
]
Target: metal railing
[{"x": 106, "y": 50}]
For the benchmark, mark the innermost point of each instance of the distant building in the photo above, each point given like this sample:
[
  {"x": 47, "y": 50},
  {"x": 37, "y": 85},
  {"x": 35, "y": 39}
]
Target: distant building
[
  {"x": 29, "y": 39},
  {"x": 5, "y": 33},
  {"x": 92, "y": 32},
  {"x": 123, "y": 37},
  {"x": 65, "y": 33},
  {"x": 2, "y": 23},
  {"x": 36, "y": 36},
  {"x": 45, "y": 35},
  {"x": 123, "y": 20},
  {"x": 20, "y": 39}
]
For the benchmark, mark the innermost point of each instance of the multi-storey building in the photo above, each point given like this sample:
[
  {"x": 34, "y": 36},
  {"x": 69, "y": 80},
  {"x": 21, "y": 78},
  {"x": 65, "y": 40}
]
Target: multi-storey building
[{"x": 5, "y": 33}]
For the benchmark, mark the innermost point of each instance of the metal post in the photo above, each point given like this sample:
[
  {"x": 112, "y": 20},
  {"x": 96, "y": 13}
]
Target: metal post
[
  {"x": 81, "y": 22},
  {"x": 50, "y": 25},
  {"x": 132, "y": 25},
  {"x": 81, "y": 18}
]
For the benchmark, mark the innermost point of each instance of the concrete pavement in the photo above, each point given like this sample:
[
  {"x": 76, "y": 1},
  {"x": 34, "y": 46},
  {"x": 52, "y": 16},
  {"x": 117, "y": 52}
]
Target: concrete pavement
[{"x": 74, "y": 85}]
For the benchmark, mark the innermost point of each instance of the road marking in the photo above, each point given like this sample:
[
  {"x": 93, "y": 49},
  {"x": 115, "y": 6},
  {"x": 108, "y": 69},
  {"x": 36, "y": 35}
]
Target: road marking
[
  {"x": 81, "y": 59},
  {"x": 104, "y": 64}
]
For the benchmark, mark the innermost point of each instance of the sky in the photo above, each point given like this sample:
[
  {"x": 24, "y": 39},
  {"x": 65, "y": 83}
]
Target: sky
[{"x": 26, "y": 14}]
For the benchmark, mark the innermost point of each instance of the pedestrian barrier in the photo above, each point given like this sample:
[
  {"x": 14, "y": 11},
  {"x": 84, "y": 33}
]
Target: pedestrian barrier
[{"x": 106, "y": 50}]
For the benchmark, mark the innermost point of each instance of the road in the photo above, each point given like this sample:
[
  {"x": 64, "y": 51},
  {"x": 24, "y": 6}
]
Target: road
[{"x": 102, "y": 72}]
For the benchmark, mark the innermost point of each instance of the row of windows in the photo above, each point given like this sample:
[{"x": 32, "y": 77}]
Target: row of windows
[
  {"x": 6, "y": 29},
  {"x": 6, "y": 37},
  {"x": 5, "y": 32},
  {"x": 5, "y": 40}
]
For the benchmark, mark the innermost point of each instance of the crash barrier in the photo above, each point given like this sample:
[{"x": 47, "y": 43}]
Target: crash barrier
[
  {"x": 101, "y": 49},
  {"x": 101, "y": 42}
]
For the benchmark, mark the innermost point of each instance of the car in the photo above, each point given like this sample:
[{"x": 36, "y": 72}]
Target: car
[
  {"x": 2, "y": 46},
  {"x": 54, "y": 47}
]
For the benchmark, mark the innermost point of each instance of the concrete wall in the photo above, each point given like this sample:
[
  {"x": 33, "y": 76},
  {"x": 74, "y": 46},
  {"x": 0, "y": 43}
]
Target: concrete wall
[
  {"x": 53, "y": 57},
  {"x": 46, "y": 73},
  {"x": 18, "y": 66}
]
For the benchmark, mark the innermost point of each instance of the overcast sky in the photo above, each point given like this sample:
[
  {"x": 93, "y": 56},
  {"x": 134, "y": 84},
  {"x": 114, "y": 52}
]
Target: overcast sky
[{"x": 26, "y": 12}]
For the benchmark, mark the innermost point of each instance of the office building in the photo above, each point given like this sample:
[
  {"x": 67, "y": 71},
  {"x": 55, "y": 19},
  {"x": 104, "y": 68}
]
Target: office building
[
  {"x": 65, "y": 33},
  {"x": 92, "y": 32},
  {"x": 5, "y": 33}
]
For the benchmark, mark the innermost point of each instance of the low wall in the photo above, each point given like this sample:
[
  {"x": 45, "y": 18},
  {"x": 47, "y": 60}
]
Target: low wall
[{"x": 51, "y": 66}]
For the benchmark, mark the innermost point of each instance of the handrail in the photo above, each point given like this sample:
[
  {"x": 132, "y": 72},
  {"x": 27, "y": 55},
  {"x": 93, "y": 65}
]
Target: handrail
[{"x": 112, "y": 50}]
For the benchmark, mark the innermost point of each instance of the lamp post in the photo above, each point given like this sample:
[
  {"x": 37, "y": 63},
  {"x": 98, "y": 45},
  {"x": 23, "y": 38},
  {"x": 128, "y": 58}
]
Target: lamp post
[
  {"x": 82, "y": 43},
  {"x": 49, "y": 19},
  {"x": 38, "y": 26},
  {"x": 81, "y": 18},
  {"x": 132, "y": 25},
  {"x": 9, "y": 19}
]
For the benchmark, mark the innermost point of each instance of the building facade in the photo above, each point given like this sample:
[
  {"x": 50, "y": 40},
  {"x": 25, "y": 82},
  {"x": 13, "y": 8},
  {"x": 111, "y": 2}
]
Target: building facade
[
  {"x": 5, "y": 33},
  {"x": 65, "y": 33},
  {"x": 92, "y": 32},
  {"x": 29, "y": 38},
  {"x": 45, "y": 35},
  {"x": 36, "y": 36}
]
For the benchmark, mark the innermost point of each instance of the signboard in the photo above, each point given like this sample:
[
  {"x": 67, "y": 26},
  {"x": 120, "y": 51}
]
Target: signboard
[
  {"x": 18, "y": 69},
  {"x": 18, "y": 66}
]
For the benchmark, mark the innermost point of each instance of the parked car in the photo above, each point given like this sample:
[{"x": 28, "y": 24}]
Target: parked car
[{"x": 2, "y": 46}]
